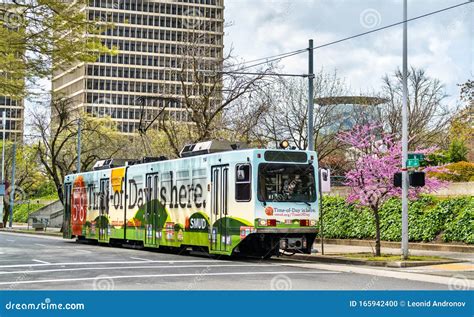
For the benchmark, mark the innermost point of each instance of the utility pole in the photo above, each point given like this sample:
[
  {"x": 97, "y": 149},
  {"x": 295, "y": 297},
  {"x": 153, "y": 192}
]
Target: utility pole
[
  {"x": 310, "y": 96},
  {"x": 405, "y": 139},
  {"x": 2, "y": 185},
  {"x": 4, "y": 123},
  {"x": 12, "y": 193},
  {"x": 79, "y": 132}
]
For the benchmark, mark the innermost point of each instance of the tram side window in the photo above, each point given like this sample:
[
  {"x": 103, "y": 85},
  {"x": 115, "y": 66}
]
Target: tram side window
[{"x": 243, "y": 184}]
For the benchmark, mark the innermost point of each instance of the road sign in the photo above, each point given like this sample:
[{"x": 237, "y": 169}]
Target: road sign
[
  {"x": 416, "y": 156},
  {"x": 413, "y": 163}
]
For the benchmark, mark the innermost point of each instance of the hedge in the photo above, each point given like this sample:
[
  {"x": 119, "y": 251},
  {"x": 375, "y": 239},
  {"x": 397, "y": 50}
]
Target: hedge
[
  {"x": 429, "y": 219},
  {"x": 458, "y": 172}
]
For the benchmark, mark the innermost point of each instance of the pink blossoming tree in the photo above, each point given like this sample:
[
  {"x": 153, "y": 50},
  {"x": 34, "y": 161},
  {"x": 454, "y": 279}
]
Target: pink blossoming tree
[{"x": 377, "y": 157}]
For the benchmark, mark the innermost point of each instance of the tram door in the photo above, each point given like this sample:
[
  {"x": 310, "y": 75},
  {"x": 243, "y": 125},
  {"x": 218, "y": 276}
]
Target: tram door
[
  {"x": 151, "y": 210},
  {"x": 67, "y": 211},
  {"x": 220, "y": 240},
  {"x": 103, "y": 222}
]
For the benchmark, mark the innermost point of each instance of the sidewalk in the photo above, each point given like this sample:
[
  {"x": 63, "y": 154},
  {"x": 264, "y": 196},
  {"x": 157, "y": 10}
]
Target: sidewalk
[
  {"x": 463, "y": 271},
  {"x": 24, "y": 228},
  {"x": 332, "y": 249}
]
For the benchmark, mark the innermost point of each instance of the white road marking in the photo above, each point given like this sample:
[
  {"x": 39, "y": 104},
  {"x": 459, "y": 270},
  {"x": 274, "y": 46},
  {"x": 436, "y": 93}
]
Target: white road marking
[
  {"x": 141, "y": 259},
  {"x": 42, "y": 245},
  {"x": 135, "y": 267},
  {"x": 10, "y": 240},
  {"x": 114, "y": 262},
  {"x": 39, "y": 261},
  {"x": 167, "y": 275}
]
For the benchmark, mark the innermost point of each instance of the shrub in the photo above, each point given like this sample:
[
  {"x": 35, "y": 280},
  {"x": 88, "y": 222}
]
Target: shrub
[
  {"x": 458, "y": 172},
  {"x": 428, "y": 217},
  {"x": 21, "y": 212},
  {"x": 461, "y": 227}
]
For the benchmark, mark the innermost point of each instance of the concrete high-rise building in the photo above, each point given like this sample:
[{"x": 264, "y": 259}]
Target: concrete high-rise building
[
  {"x": 155, "y": 40},
  {"x": 13, "y": 107},
  {"x": 14, "y": 126}
]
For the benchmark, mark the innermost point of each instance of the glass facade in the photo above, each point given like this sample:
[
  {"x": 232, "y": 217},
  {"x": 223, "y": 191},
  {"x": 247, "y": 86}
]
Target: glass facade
[{"x": 155, "y": 42}]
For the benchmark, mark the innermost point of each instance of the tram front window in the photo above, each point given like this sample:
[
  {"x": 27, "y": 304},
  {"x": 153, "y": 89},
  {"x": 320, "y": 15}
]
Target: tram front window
[{"x": 286, "y": 183}]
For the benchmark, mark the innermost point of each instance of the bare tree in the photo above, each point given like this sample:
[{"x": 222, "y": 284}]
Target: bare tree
[
  {"x": 56, "y": 147},
  {"x": 287, "y": 114},
  {"x": 210, "y": 84},
  {"x": 428, "y": 117}
]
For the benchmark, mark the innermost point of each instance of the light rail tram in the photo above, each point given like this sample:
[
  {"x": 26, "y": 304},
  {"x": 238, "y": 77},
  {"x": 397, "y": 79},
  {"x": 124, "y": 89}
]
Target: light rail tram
[{"x": 215, "y": 197}]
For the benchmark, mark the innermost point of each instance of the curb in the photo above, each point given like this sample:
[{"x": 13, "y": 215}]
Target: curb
[
  {"x": 39, "y": 233},
  {"x": 396, "y": 245},
  {"x": 342, "y": 260}
]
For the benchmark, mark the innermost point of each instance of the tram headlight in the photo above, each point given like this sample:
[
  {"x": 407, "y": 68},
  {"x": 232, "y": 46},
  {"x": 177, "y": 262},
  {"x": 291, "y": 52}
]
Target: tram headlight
[
  {"x": 284, "y": 144},
  {"x": 312, "y": 223},
  {"x": 262, "y": 222}
]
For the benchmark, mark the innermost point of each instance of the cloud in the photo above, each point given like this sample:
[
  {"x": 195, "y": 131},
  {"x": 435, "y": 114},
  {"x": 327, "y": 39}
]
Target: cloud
[{"x": 442, "y": 44}]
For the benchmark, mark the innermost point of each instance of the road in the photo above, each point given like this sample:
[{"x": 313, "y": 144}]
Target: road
[{"x": 40, "y": 262}]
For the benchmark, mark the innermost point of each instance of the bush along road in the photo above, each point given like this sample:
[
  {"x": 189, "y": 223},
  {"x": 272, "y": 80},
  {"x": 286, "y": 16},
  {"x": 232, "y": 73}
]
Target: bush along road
[{"x": 430, "y": 219}]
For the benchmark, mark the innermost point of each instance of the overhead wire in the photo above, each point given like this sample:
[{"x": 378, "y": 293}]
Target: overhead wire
[{"x": 279, "y": 57}]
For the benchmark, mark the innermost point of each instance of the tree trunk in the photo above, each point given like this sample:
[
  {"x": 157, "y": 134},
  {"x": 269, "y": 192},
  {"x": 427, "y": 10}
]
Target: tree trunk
[
  {"x": 377, "y": 233},
  {"x": 6, "y": 212}
]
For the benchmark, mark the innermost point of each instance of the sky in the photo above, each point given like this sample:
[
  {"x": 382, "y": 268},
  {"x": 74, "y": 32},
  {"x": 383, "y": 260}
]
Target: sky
[{"x": 442, "y": 44}]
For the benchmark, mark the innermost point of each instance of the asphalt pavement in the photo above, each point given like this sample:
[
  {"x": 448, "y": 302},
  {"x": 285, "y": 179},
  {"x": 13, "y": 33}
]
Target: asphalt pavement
[{"x": 42, "y": 262}]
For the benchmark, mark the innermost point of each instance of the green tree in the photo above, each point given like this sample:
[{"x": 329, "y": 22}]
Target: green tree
[
  {"x": 457, "y": 151},
  {"x": 38, "y": 37},
  {"x": 57, "y": 144},
  {"x": 29, "y": 176}
]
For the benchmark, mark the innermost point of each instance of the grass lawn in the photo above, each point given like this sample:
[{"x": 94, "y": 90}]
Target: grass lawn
[{"x": 389, "y": 257}]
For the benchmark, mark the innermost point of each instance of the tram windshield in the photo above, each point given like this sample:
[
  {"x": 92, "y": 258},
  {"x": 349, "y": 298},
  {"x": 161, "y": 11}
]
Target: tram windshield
[{"x": 286, "y": 183}]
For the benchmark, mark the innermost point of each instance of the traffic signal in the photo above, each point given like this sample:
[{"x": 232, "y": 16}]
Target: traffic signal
[
  {"x": 397, "y": 179},
  {"x": 417, "y": 179}
]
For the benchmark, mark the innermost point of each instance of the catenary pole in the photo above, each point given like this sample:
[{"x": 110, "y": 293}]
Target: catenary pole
[
  {"x": 79, "y": 147},
  {"x": 310, "y": 96},
  {"x": 405, "y": 139},
  {"x": 12, "y": 192},
  {"x": 2, "y": 204},
  {"x": 4, "y": 123}
]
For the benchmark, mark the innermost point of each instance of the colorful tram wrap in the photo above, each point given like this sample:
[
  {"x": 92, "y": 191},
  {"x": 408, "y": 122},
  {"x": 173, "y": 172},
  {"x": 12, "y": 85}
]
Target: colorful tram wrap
[{"x": 253, "y": 202}]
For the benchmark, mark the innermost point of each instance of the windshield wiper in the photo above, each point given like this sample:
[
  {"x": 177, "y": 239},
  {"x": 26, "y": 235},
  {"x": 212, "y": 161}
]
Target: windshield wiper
[{"x": 302, "y": 201}]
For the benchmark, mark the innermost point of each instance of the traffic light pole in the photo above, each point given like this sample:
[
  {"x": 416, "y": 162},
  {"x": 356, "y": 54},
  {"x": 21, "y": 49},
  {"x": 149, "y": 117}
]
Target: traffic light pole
[
  {"x": 405, "y": 139},
  {"x": 310, "y": 96}
]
